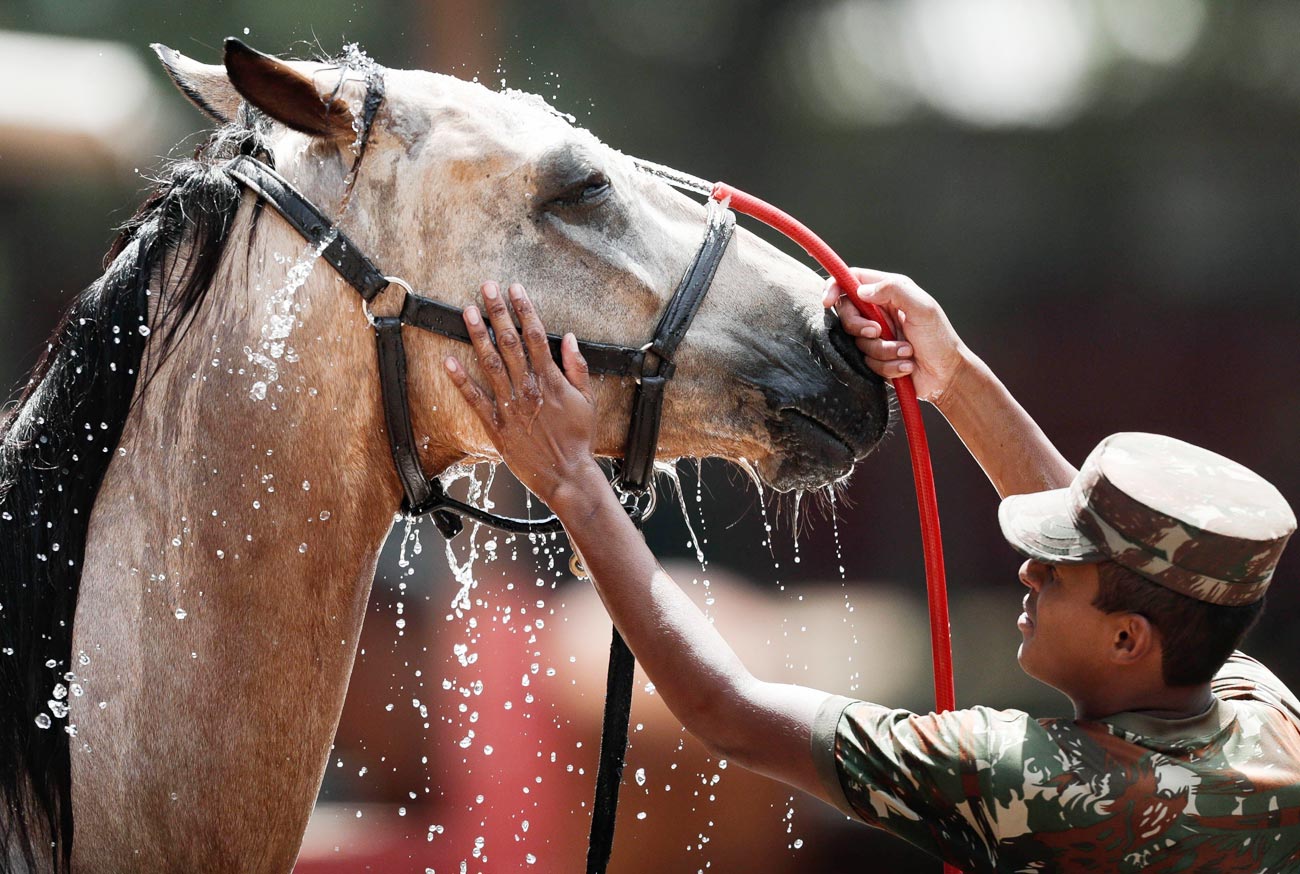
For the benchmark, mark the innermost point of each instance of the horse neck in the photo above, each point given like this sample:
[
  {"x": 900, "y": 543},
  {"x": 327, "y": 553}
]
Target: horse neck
[
  {"x": 273, "y": 386},
  {"x": 229, "y": 559}
]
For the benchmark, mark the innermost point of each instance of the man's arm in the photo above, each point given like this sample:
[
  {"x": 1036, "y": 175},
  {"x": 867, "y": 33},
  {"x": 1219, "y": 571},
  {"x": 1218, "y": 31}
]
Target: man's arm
[
  {"x": 765, "y": 727},
  {"x": 542, "y": 421},
  {"x": 1010, "y": 447}
]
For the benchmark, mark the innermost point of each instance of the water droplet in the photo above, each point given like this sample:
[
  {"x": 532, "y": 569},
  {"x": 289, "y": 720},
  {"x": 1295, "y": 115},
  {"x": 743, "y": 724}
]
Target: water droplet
[
  {"x": 258, "y": 391},
  {"x": 641, "y": 815},
  {"x": 302, "y": 547},
  {"x": 324, "y": 515},
  {"x": 640, "y": 776},
  {"x": 180, "y": 613},
  {"x": 144, "y": 330},
  {"x": 58, "y": 708},
  {"x": 306, "y": 486},
  {"x": 42, "y": 720}
]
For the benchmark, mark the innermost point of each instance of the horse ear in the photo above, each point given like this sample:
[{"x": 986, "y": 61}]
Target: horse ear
[
  {"x": 206, "y": 85},
  {"x": 288, "y": 95}
]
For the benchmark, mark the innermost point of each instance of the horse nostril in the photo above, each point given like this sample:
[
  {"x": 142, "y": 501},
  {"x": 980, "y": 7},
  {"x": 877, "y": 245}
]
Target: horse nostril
[{"x": 843, "y": 344}]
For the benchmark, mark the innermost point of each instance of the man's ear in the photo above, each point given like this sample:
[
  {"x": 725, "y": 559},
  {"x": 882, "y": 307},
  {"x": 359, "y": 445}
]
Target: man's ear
[
  {"x": 1134, "y": 639},
  {"x": 206, "y": 85},
  {"x": 290, "y": 96}
]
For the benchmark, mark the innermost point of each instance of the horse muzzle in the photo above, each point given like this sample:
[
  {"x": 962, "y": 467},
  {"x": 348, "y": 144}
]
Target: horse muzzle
[{"x": 825, "y": 411}]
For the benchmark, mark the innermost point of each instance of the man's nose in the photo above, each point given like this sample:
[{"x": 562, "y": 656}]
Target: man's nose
[{"x": 1031, "y": 574}]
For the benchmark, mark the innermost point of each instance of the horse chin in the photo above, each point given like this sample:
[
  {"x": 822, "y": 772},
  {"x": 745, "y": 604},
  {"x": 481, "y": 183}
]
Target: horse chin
[{"x": 810, "y": 455}]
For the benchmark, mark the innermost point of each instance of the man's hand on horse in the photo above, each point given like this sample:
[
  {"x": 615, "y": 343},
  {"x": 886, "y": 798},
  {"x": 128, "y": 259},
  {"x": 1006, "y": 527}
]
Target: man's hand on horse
[
  {"x": 540, "y": 419},
  {"x": 925, "y": 345}
]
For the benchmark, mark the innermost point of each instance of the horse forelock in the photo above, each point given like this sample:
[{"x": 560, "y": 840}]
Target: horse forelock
[{"x": 56, "y": 444}]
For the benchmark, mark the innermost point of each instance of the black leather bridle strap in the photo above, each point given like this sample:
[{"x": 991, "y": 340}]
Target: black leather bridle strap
[
  {"x": 341, "y": 253},
  {"x": 658, "y": 366},
  {"x": 426, "y": 496},
  {"x": 423, "y": 494},
  {"x": 447, "y": 320}
]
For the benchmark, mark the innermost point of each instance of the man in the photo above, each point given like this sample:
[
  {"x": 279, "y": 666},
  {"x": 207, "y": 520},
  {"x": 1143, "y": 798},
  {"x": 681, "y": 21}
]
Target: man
[{"x": 1144, "y": 570}]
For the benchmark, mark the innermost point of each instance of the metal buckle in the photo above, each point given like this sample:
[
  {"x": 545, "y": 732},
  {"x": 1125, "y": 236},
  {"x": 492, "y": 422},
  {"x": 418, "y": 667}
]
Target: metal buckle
[
  {"x": 640, "y": 360},
  {"x": 392, "y": 280},
  {"x": 631, "y": 502}
]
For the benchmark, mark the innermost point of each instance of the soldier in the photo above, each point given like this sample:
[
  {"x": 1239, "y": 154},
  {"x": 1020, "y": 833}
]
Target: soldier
[{"x": 1143, "y": 572}]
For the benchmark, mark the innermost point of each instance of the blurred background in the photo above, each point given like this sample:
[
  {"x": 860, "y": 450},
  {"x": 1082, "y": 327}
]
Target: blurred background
[{"x": 1104, "y": 194}]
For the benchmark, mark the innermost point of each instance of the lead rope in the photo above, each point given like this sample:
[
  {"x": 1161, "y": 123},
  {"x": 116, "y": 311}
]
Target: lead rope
[
  {"x": 909, "y": 409},
  {"x": 636, "y": 479}
]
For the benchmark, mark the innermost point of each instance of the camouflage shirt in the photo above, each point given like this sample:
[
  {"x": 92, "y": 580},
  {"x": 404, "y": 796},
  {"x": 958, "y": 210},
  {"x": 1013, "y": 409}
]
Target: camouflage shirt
[{"x": 995, "y": 790}]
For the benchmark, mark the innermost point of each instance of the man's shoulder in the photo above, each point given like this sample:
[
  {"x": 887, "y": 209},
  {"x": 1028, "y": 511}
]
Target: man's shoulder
[{"x": 1243, "y": 679}]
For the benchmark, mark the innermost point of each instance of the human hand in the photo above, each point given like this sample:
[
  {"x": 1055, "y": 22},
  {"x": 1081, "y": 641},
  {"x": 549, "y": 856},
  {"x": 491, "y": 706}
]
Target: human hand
[
  {"x": 540, "y": 419},
  {"x": 925, "y": 346}
]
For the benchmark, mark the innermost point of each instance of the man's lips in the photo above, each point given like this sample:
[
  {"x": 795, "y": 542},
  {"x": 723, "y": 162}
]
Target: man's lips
[{"x": 1025, "y": 621}]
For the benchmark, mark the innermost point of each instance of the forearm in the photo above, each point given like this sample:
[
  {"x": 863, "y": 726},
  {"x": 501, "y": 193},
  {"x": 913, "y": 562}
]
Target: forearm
[
  {"x": 686, "y": 658},
  {"x": 1014, "y": 452},
  {"x": 545, "y": 437},
  {"x": 761, "y": 726}
]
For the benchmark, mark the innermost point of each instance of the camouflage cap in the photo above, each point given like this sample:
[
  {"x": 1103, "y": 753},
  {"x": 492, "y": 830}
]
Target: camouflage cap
[{"x": 1179, "y": 515}]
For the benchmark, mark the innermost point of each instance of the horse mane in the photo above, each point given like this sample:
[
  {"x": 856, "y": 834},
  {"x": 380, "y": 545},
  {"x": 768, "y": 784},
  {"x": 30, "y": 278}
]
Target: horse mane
[{"x": 56, "y": 443}]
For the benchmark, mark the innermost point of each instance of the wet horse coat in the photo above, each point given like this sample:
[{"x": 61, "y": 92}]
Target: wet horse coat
[{"x": 215, "y": 469}]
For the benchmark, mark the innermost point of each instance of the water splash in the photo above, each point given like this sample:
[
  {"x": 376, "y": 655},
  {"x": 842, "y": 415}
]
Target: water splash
[
  {"x": 354, "y": 60},
  {"x": 537, "y": 101},
  {"x": 674, "y": 478},
  {"x": 676, "y": 178},
  {"x": 281, "y": 317}
]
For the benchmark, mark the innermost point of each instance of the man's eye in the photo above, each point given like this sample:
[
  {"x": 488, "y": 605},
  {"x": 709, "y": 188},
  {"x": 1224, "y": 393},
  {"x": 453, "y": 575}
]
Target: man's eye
[{"x": 588, "y": 191}]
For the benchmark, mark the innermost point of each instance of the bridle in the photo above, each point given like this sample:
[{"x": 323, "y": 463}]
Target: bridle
[{"x": 650, "y": 365}]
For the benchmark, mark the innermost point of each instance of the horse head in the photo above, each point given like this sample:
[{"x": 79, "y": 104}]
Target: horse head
[
  {"x": 175, "y": 545},
  {"x": 460, "y": 184}
]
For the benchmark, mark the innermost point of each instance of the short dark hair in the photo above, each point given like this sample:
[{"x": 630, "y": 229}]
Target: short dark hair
[{"x": 1196, "y": 637}]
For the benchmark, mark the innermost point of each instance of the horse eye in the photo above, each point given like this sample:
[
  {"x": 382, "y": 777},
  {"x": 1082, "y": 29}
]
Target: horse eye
[{"x": 585, "y": 192}]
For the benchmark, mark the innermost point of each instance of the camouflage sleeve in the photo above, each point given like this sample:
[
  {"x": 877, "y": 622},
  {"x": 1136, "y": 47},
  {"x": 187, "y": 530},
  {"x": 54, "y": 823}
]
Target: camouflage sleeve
[
  {"x": 823, "y": 750},
  {"x": 939, "y": 781},
  {"x": 1243, "y": 679}
]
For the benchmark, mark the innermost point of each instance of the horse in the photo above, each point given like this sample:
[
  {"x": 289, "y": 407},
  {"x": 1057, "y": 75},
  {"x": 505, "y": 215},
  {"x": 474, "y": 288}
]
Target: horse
[{"x": 195, "y": 483}]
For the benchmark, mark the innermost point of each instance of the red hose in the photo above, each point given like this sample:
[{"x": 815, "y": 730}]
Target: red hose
[{"x": 936, "y": 583}]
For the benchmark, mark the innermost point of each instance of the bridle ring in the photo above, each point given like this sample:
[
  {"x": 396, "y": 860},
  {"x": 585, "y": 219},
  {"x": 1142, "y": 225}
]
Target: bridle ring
[{"x": 392, "y": 280}]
